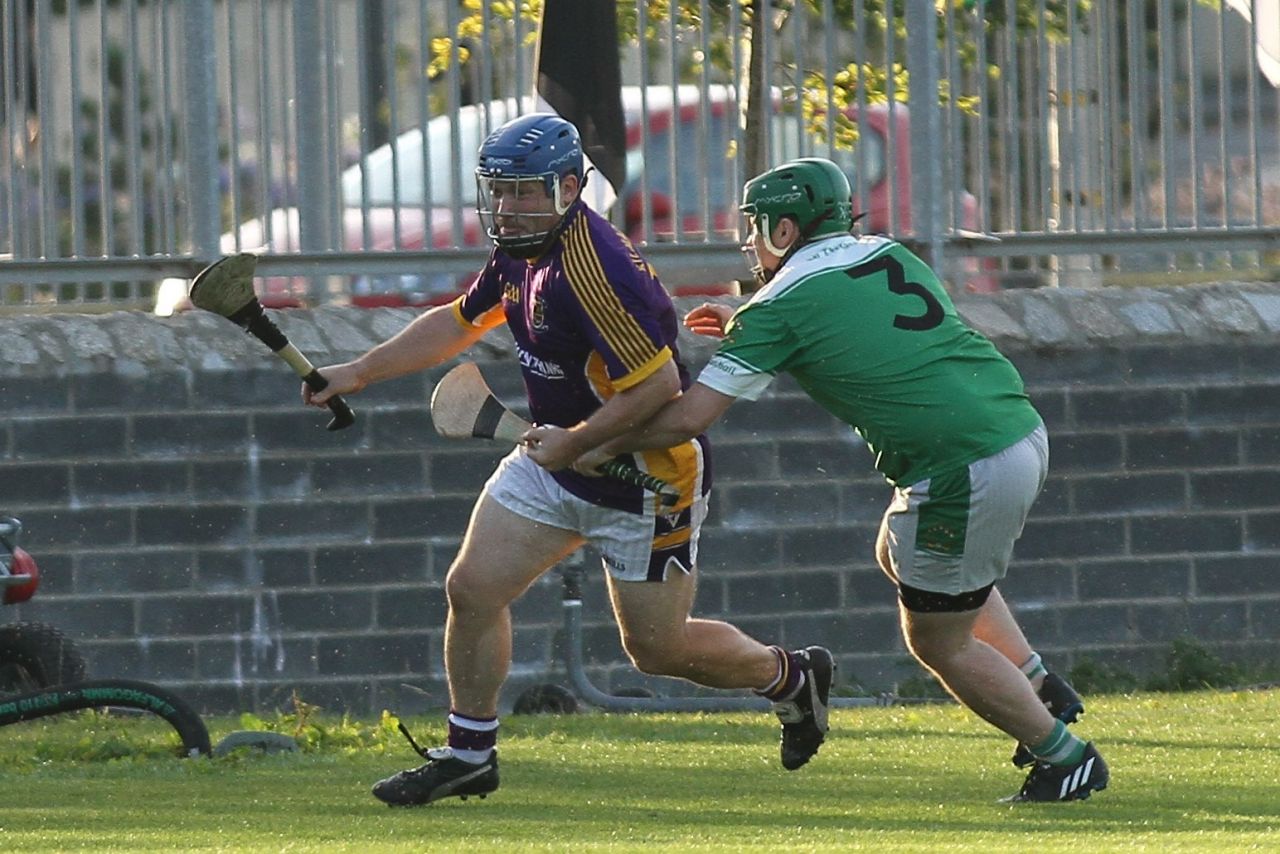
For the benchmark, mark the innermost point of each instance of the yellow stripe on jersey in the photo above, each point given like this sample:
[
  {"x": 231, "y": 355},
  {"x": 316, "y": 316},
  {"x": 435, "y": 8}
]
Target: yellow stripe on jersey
[
  {"x": 488, "y": 320},
  {"x": 590, "y": 285},
  {"x": 680, "y": 466},
  {"x": 598, "y": 374},
  {"x": 641, "y": 373}
]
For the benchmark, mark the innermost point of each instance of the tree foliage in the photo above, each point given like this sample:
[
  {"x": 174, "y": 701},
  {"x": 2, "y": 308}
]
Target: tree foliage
[{"x": 874, "y": 80}]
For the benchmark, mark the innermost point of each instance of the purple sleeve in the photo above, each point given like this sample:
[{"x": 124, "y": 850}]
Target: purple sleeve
[{"x": 484, "y": 294}]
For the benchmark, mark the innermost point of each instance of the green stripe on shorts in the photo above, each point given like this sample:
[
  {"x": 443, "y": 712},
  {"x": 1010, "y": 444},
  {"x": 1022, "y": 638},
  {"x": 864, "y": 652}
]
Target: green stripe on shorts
[{"x": 944, "y": 516}]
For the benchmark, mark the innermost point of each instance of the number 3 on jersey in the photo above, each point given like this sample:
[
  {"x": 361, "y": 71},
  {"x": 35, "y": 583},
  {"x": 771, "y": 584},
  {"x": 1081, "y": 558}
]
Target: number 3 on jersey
[{"x": 933, "y": 311}]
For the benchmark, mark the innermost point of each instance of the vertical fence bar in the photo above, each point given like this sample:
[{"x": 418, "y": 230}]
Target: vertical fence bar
[
  {"x": 951, "y": 117},
  {"x": 705, "y": 119},
  {"x": 1255, "y": 127},
  {"x": 1015, "y": 120},
  {"x": 454, "y": 99},
  {"x": 266, "y": 153},
  {"x": 77, "y": 133},
  {"x": 424, "y": 117},
  {"x": 1193, "y": 101},
  {"x": 106, "y": 222},
  {"x": 132, "y": 95},
  {"x": 982, "y": 141},
  {"x": 1225, "y": 120},
  {"x": 282, "y": 57},
  {"x": 926, "y": 167},
  {"x": 738, "y": 139},
  {"x": 829, "y": 73},
  {"x": 314, "y": 196},
  {"x": 646, "y": 217},
  {"x": 166, "y": 197},
  {"x": 390, "y": 38},
  {"x": 1137, "y": 114},
  {"x": 863, "y": 159},
  {"x": 8, "y": 154},
  {"x": 365, "y": 42},
  {"x": 1168, "y": 114},
  {"x": 891, "y": 138},
  {"x": 334, "y": 68},
  {"x": 1108, "y": 70},
  {"x": 234, "y": 104},
  {"x": 200, "y": 128},
  {"x": 48, "y": 130},
  {"x": 673, "y": 131}
]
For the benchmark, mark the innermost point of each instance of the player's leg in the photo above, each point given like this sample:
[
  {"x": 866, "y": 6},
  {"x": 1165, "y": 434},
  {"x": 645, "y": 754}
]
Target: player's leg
[
  {"x": 947, "y": 541},
  {"x": 502, "y": 553},
  {"x": 661, "y": 638},
  {"x": 973, "y": 671},
  {"x": 516, "y": 533},
  {"x": 996, "y": 625},
  {"x": 650, "y": 564}
]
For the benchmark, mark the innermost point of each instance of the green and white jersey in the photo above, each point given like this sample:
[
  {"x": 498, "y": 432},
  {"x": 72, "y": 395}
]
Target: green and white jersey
[{"x": 869, "y": 332}]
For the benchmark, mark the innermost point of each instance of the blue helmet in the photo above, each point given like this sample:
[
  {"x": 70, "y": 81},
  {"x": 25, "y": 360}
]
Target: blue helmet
[{"x": 540, "y": 147}]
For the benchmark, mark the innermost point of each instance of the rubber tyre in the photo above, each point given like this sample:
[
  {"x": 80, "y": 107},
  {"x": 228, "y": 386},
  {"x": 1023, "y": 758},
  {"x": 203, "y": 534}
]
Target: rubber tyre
[
  {"x": 109, "y": 693},
  {"x": 545, "y": 699},
  {"x": 36, "y": 655}
]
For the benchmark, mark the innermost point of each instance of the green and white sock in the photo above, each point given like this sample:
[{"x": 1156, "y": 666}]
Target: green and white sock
[
  {"x": 1032, "y": 668},
  {"x": 1060, "y": 747}
]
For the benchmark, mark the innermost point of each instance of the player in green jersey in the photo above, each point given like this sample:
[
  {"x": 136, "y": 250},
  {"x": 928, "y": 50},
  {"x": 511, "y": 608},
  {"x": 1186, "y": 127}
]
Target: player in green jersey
[{"x": 869, "y": 332}]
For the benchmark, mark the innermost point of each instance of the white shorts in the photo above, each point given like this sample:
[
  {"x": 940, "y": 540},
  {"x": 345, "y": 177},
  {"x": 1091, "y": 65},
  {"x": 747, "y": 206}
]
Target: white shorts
[
  {"x": 632, "y": 546},
  {"x": 954, "y": 533}
]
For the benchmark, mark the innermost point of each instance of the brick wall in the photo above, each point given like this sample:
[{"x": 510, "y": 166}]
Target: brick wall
[{"x": 199, "y": 528}]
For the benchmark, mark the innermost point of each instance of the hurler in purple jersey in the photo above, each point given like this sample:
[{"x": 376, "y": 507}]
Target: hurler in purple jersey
[{"x": 595, "y": 334}]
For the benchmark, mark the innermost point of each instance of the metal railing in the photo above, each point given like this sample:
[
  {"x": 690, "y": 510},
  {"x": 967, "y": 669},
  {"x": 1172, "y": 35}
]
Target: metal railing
[{"x": 1016, "y": 142}]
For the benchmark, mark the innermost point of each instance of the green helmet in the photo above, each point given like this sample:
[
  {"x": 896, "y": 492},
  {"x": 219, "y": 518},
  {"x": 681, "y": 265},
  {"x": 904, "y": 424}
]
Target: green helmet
[{"x": 811, "y": 190}]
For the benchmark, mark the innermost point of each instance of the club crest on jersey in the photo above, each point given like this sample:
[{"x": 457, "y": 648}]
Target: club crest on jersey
[
  {"x": 511, "y": 292},
  {"x": 538, "y": 313}
]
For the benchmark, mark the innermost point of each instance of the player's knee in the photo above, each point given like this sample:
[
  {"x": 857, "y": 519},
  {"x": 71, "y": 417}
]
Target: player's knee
[
  {"x": 934, "y": 650},
  {"x": 655, "y": 657},
  {"x": 467, "y": 592}
]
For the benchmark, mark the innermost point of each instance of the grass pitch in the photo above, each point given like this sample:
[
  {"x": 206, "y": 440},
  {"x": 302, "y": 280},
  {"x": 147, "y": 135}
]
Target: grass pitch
[{"x": 1190, "y": 772}]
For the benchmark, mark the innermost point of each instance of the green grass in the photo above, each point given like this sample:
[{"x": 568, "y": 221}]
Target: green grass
[{"x": 1190, "y": 772}]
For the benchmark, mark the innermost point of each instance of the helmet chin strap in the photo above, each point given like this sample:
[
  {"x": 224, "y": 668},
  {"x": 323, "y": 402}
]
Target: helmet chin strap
[{"x": 764, "y": 276}]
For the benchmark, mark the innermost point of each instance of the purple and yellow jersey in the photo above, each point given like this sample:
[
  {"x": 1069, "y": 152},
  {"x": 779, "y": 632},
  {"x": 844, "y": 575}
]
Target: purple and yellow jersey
[{"x": 590, "y": 319}]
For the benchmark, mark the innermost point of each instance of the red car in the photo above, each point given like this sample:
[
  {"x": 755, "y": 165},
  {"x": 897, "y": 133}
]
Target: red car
[{"x": 679, "y": 174}]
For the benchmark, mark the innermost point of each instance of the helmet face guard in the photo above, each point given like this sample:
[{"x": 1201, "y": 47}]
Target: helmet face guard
[
  {"x": 501, "y": 203},
  {"x": 519, "y": 181}
]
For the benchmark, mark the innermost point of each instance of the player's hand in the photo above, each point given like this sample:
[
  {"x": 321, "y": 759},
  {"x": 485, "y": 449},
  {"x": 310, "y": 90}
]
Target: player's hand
[
  {"x": 551, "y": 447},
  {"x": 590, "y": 462},
  {"x": 708, "y": 319},
  {"x": 343, "y": 379}
]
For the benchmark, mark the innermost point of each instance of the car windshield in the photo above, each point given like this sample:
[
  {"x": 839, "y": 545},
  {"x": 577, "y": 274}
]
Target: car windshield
[
  {"x": 789, "y": 140},
  {"x": 702, "y": 150},
  {"x": 450, "y": 165}
]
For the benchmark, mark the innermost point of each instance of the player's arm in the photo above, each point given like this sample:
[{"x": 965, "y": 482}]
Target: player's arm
[
  {"x": 431, "y": 338},
  {"x": 555, "y": 448},
  {"x": 680, "y": 420},
  {"x": 689, "y": 415}
]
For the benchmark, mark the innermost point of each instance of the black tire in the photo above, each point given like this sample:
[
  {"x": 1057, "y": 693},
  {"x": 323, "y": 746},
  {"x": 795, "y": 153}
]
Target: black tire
[
  {"x": 36, "y": 655},
  {"x": 546, "y": 698},
  {"x": 125, "y": 693}
]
